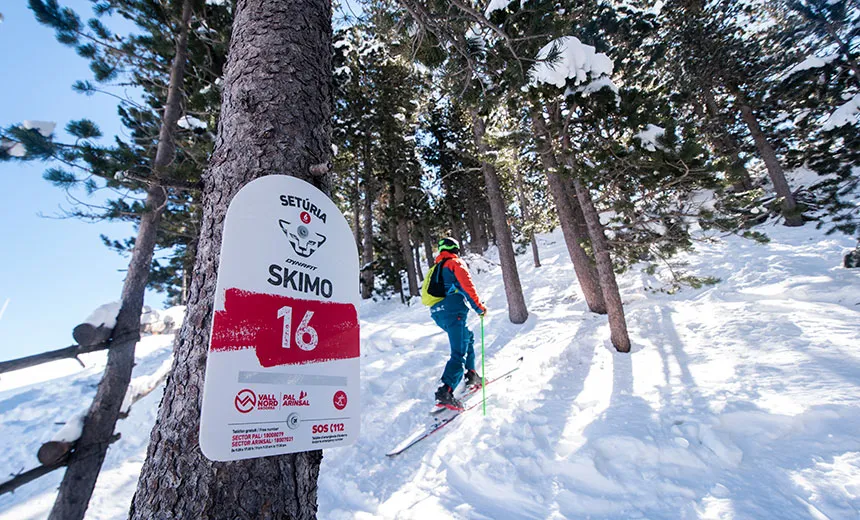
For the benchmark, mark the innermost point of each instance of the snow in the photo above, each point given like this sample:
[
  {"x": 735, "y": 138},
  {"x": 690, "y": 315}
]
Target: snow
[
  {"x": 649, "y": 136},
  {"x": 46, "y": 128},
  {"x": 849, "y": 113},
  {"x": 17, "y": 150},
  {"x": 158, "y": 320},
  {"x": 496, "y": 5},
  {"x": 739, "y": 400},
  {"x": 812, "y": 62},
  {"x": 105, "y": 315},
  {"x": 190, "y": 122},
  {"x": 575, "y": 61},
  {"x": 71, "y": 431},
  {"x": 599, "y": 84}
]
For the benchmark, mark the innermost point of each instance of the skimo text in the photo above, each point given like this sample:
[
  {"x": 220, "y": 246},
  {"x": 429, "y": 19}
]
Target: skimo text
[{"x": 299, "y": 281}]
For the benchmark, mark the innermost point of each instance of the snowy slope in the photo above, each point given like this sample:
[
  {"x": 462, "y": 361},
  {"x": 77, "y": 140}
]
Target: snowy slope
[
  {"x": 28, "y": 413},
  {"x": 740, "y": 400}
]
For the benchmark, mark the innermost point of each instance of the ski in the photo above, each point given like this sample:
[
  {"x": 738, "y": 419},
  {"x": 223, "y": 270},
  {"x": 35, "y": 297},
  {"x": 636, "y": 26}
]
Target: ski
[
  {"x": 444, "y": 416},
  {"x": 468, "y": 392}
]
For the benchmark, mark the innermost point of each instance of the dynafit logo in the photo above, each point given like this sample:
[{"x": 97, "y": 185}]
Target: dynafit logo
[{"x": 304, "y": 241}]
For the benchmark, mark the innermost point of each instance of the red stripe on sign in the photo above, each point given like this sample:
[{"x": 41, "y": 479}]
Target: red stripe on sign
[{"x": 285, "y": 331}]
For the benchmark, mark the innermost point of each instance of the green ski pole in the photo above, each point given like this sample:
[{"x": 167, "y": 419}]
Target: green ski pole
[{"x": 483, "y": 378}]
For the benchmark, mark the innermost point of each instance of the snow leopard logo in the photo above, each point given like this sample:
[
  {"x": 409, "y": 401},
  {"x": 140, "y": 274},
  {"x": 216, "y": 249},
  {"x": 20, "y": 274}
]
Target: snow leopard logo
[{"x": 300, "y": 238}]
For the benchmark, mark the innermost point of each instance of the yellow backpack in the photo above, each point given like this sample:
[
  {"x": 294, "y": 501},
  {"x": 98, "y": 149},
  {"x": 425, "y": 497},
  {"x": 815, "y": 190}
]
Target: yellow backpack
[{"x": 433, "y": 289}]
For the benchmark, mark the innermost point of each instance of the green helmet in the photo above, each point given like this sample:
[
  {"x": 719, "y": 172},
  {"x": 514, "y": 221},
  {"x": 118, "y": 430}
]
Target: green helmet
[{"x": 449, "y": 244}]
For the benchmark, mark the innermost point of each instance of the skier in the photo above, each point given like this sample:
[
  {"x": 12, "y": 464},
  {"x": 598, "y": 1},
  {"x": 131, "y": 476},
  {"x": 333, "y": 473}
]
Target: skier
[{"x": 450, "y": 314}]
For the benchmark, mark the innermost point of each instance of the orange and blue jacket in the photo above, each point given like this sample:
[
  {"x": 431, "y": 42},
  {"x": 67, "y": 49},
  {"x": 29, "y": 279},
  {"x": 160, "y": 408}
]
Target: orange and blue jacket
[{"x": 459, "y": 287}]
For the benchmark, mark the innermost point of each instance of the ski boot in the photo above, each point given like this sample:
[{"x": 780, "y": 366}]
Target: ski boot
[
  {"x": 472, "y": 379},
  {"x": 445, "y": 399}
]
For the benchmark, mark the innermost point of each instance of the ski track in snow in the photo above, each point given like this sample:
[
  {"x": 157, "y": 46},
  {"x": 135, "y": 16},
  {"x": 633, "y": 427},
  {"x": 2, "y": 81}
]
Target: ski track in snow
[{"x": 739, "y": 400}]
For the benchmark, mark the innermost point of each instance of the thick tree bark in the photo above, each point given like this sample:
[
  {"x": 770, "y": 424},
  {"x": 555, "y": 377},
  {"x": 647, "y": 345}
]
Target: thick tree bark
[
  {"x": 86, "y": 460},
  {"x": 403, "y": 236},
  {"x": 586, "y": 271},
  {"x": 725, "y": 144},
  {"x": 790, "y": 210},
  {"x": 275, "y": 119},
  {"x": 517, "y": 311},
  {"x": 611, "y": 295},
  {"x": 367, "y": 245}
]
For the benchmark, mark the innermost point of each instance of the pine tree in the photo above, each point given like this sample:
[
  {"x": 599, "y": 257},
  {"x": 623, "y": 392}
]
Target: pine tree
[
  {"x": 277, "y": 97},
  {"x": 375, "y": 106},
  {"x": 135, "y": 58},
  {"x": 721, "y": 59}
]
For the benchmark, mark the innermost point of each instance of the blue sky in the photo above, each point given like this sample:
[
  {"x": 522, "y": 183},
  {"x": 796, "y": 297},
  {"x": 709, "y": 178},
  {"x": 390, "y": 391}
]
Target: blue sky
[{"x": 53, "y": 272}]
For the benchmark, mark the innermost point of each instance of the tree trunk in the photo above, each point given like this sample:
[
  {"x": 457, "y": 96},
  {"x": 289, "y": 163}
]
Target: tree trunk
[
  {"x": 356, "y": 211},
  {"x": 489, "y": 230},
  {"x": 367, "y": 245},
  {"x": 726, "y": 144},
  {"x": 517, "y": 311},
  {"x": 403, "y": 236},
  {"x": 183, "y": 298},
  {"x": 418, "y": 270},
  {"x": 456, "y": 227},
  {"x": 428, "y": 245},
  {"x": 86, "y": 460},
  {"x": 611, "y": 295},
  {"x": 396, "y": 256},
  {"x": 478, "y": 242},
  {"x": 527, "y": 219},
  {"x": 585, "y": 269},
  {"x": 790, "y": 211},
  {"x": 275, "y": 119},
  {"x": 71, "y": 352}
]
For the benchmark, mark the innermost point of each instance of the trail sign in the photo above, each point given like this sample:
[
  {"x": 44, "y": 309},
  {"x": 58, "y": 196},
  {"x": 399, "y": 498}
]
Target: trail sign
[{"x": 282, "y": 375}]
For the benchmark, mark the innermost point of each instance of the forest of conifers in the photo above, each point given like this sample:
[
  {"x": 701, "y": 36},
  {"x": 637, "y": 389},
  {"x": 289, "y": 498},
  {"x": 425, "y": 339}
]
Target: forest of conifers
[{"x": 631, "y": 125}]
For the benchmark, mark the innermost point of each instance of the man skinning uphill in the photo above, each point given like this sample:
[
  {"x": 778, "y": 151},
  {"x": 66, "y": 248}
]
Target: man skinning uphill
[{"x": 450, "y": 313}]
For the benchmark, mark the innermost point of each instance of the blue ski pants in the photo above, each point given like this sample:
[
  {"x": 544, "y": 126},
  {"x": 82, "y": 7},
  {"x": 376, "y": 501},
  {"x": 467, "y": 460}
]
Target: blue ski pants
[{"x": 462, "y": 345}]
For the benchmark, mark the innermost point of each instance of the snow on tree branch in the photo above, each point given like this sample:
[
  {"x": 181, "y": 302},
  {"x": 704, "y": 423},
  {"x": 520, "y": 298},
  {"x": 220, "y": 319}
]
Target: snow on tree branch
[
  {"x": 575, "y": 61},
  {"x": 849, "y": 113},
  {"x": 649, "y": 136}
]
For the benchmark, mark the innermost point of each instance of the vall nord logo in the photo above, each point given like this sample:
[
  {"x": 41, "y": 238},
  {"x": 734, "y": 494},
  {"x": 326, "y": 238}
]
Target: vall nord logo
[
  {"x": 245, "y": 400},
  {"x": 290, "y": 399}
]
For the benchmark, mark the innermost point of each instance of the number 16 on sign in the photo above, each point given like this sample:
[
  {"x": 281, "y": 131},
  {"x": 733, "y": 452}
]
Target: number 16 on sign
[{"x": 304, "y": 329}]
